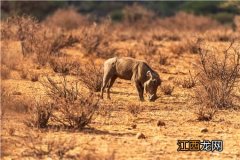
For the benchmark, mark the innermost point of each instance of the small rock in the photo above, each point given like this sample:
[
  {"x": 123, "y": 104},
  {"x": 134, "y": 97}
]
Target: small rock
[
  {"x": 160, "y": 123},
  {"x": 134, "y": 126},
  {"x": 16, "y": 93},
  {"x": 204, "y": 130},
  {"x": 140, "y": 136}
]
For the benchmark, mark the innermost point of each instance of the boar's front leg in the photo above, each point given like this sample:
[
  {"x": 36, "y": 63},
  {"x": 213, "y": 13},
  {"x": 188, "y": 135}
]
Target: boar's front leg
[{"x": 140, "y": 90}]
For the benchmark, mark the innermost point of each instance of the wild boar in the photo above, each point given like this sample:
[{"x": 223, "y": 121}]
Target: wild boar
[{"x": 137, "y": 71}]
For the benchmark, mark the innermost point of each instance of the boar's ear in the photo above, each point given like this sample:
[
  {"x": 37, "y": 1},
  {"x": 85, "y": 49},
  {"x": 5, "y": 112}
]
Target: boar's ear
[{"x": 149, "y": 74}]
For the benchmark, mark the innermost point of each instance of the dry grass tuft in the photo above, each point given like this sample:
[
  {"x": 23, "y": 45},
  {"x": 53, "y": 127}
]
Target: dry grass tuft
[
  {"x": 189, "y": 82},
  {"x": 167, "y": 89},
  {"x": 134, "y": 109},
  {"x": 34, "y": 77},
  {"x": 205, "y": 114}
]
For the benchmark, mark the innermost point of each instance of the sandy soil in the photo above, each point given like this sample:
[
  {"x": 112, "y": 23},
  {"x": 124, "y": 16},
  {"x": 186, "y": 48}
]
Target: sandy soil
[{"x": 114, "y": 134}]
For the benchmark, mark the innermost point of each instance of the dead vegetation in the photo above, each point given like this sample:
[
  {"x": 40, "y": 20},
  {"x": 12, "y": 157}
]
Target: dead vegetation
[
  {"x": 95, "y": 40},
  {"x": 91, "y": 76},
  {"x": 188, "y": 22},
  {"x": 167, "y": 89},
  {"x": 67, "y": 19},
  {"x": 69, "y": 51},
  {"x": 217, "y": 78},
  {"x": 12, "y": 102},
  {"x": 134, "y": 109},
  {"x": 5, "y": 72},
  {"x": 71, "y": 108},
  {"x": 5, "y": 99},
  {"x": 187, "y": 46},
  {"x": 39, "y": 147},
  {"x": 64, "y": 65},
  {"x": 39, "y": 114},
  {"x": 189, "y": 82},
  {"x": 35, "y": 38},
  {"x": 163, "y": 59}
]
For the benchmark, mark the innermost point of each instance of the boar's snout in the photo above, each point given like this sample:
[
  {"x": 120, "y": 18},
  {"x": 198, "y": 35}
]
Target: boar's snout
[{"x": 152, "y": 98}]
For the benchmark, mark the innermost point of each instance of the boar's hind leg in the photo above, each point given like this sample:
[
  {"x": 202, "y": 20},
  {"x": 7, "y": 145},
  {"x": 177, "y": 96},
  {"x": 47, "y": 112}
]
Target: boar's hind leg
[
  {"x": 106, "y": 79},
  {"x": 112, "y": 80}
]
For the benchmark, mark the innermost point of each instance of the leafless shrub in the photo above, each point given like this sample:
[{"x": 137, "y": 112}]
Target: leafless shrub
[
  {"x": 91, "y": 76},
  {"x": 39, "y": 114},
  {"x": 166, "y": 36},
  {"x": 62, "y": 41},
  {"x": 67, "y": 19},
  {"x": 187, "y": 22},
  {"x": 11, "y": 55},
  {"x": 224, "y": 38},
  {"x": 35, "y": 38},
  {"x": 78, "y": 113},
  {"x": 187, "y": 46},
  {"x": 64, "y": 65},
  {"x": 137, "y": 15},
  {"x": 48, "y": 43},
  {"x": 178, "y": 49},
  {"x": 95, "y": 40},
  {"x": 222, "y": 34},
  {"x": 128, "y": 52},
  {"x": 167, "y": 89},
  {"x": 73, "y": 109},
  {"x": 22, "y": 28},
  {"x": 218, "y": 75}
]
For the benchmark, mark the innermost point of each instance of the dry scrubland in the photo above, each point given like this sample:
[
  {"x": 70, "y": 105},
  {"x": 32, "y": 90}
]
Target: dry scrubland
[{"x": 51, "y": 76}]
